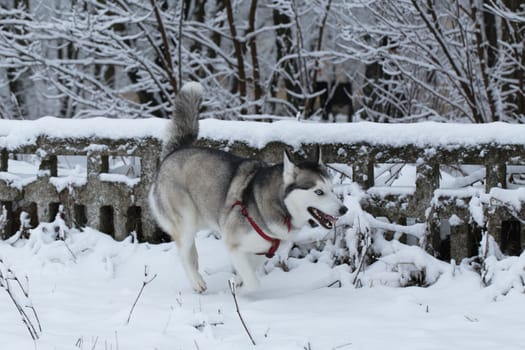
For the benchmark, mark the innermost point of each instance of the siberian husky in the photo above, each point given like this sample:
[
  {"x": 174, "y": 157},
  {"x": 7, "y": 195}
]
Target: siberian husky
[{"x": 252, "y": 204}]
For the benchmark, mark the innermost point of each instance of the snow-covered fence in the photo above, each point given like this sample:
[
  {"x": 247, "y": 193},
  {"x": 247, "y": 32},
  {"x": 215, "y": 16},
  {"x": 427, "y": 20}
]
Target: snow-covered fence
[
  {"x": 458, "y": 179},
  {"x": 68, "y": 169}
]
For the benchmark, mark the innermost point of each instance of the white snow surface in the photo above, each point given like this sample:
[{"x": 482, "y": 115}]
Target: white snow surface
[
  {"x": 258, "y": 134},
  {"x": 83, "y": 287},
  {"x": 83, "y": 290}
]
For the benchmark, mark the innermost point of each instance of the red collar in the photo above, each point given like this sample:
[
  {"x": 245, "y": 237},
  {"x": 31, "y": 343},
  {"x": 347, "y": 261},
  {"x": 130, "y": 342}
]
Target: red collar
[{"x": 274, "y": 241}]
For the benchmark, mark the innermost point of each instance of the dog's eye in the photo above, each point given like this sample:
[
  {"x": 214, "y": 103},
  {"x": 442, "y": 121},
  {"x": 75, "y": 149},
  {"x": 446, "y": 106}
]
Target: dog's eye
[{"x": 319, "y": 192}]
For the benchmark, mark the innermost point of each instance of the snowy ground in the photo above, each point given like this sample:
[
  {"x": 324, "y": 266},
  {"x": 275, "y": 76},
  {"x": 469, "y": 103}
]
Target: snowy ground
[
  {"x": 83, "y": 291},
  {"x": 84, "y": 287}
]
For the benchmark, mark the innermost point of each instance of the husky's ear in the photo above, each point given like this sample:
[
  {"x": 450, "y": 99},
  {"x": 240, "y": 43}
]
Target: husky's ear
[
  {"x": 288, "y": 168},
  {"x": 318, "y": 157}
]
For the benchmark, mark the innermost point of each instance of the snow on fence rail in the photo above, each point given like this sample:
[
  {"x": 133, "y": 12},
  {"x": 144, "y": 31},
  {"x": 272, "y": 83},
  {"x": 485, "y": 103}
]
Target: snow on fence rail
[{"x": 465, "y": 178}]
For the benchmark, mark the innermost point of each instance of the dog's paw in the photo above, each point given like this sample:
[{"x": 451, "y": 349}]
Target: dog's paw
[
  {"x": 250, "y": 287},
  {"x": 238, "y": 281},
  {"x": 199, "y": 285}
]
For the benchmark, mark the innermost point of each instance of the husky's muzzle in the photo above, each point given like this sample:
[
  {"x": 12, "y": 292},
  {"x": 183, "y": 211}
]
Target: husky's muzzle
[{"x": 324, "y": 219}]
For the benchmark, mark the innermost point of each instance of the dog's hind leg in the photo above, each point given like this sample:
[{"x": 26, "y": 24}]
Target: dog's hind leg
[
  {"x": 183, "y": 232},
  {"x": 190, "y": 260},
  {"x": 179, "y": 220}
]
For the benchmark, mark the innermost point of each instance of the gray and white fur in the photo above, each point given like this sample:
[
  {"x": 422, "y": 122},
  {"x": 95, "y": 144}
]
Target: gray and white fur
[
  {"x": 183, "y": 130},
  {"x": 196, "y": 189}
]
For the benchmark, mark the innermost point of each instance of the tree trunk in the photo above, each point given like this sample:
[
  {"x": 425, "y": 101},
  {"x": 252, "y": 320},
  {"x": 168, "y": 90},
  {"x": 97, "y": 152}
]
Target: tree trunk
[
  {"x": 309, "y": 105},
  {"x": 241, "y": 74},
  {"x": 284, "y": 44},
  {"x": 514, "y": 33},
  {"x": 257, "y": 91}
]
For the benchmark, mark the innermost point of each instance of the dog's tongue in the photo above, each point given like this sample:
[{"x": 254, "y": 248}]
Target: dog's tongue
[{"x": 330, "y": 218}]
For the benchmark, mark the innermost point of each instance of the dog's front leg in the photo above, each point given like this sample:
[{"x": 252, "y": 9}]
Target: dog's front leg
[{"x": 245, "y": 270}]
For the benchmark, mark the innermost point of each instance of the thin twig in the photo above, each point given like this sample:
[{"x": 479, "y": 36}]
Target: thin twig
[
  {"x": 144, "y": 284},
  {"x": 337, "y": 283},
  {"x": 342, "y": 173},
  {"x": 95, "y": 343},
  {"x": 231, "y": 283},
  {"x": 4, "y": 283},
  {"x": 116, "y": 341},
  {"x": 32, "y": 308},
  {"x": 362, "y": 262},
  {"x": 341, "y": 346},
  {"x": 69, "y": 249}
]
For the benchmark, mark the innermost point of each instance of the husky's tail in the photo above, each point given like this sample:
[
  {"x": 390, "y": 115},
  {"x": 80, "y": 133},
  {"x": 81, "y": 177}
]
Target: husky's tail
[{"x": 184, "y": 126}]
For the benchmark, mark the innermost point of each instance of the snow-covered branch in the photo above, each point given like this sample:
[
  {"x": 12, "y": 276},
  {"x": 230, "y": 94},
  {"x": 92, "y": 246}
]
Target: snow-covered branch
[{"x": 407, "y": 60}]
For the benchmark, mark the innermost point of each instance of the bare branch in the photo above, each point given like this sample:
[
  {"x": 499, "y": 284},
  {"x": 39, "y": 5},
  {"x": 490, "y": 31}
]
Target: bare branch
[
  {"x": 231, "y": 284},
  {"x": 145, "y": 282}
]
